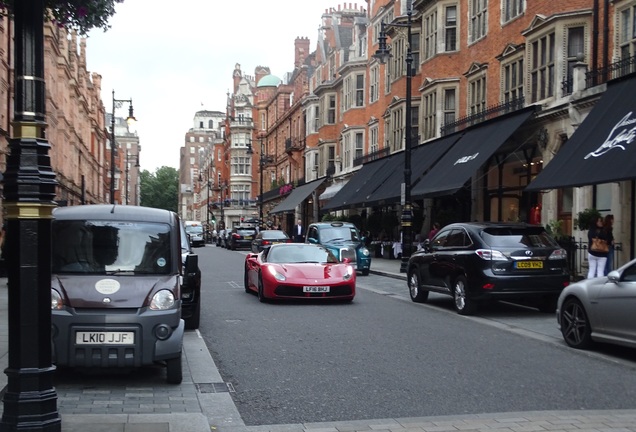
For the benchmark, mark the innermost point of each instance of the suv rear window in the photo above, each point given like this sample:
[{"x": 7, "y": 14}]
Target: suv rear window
[
  {"x": 245, "y": 232},
  {"x": 518, "y": 237}
]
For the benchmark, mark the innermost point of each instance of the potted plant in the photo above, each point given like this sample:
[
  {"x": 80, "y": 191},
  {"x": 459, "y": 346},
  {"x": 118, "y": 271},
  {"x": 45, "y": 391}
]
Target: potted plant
[{"x": 586, "y": 218}]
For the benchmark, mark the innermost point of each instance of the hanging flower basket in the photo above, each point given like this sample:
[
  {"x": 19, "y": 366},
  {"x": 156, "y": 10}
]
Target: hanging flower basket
[{"x": 79, "y": 15}]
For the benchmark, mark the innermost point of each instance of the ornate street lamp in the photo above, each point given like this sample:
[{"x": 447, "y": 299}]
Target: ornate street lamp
[
  {"x": 117, "y": 103},
  {"x": 382, "y": 55}
]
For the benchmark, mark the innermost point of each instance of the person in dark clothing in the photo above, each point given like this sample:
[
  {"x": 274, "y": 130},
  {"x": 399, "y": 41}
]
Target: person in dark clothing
[
  {"x": 298, "y": 232},
  {"x": 608, "y": 224},
  {"x": 598, "y": 257}
]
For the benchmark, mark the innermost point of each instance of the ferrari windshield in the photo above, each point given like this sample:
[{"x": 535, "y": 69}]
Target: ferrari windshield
[
  {"x": 300, "y": 253},
  {"x": 96, "y": 247}
]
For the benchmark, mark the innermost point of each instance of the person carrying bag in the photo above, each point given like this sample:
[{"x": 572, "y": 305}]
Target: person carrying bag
[{"x": 599, "y": 241}]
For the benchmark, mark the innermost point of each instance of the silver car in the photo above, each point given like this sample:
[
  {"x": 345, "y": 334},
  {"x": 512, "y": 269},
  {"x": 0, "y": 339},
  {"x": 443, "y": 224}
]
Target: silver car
[{"x": 600, "y": 310}]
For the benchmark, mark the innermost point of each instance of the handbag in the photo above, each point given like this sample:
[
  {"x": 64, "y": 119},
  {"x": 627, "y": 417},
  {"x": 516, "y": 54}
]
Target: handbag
[{"x": 599, "y": 245}]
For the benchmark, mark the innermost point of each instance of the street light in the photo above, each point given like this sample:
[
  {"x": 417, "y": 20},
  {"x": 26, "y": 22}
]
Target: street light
[
  {"x": 117, "y": 103},
  {"x": 262, "y": 160},
  {"x": 382, "y": 55}
]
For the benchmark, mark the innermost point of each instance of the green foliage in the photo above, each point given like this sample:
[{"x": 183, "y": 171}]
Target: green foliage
[
  {"x": 79, "y": 15},
  {"x": 586, "y": 219},
  {"x": 555, "y": 229},
  {"x": 160, "y": 189}
]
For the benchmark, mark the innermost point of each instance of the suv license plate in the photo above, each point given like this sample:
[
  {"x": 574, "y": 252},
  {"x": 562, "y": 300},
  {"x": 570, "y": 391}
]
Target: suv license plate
[
  {"x": 529, "y": 264},
  {"x": 316, "y": 289},
  {"x": 104, "y": 338}
]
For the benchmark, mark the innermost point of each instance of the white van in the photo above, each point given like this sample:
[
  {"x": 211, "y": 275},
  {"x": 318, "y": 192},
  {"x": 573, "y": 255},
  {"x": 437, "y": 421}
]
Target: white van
[{"x": 195, "y": 232}]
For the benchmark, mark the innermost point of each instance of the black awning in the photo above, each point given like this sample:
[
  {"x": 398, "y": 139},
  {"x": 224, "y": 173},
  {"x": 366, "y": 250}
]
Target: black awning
[
  {"x": 297, "y": 196},
  {"x": 468, "y": 154},
  {"x": 603, "y": 147},
  {"x": 348, "y": 196},
  {"x": 423, "y": 157}
]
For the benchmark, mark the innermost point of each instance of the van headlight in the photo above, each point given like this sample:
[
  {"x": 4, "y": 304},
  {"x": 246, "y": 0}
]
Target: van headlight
[
  {"x": 57, "y": 303},
  {"x": 162, "y": 300}
]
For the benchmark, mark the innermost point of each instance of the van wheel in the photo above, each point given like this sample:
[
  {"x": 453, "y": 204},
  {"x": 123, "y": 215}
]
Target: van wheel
[
  {"x": 463, "y": 304},
  {"x": 174, "y": 371}
]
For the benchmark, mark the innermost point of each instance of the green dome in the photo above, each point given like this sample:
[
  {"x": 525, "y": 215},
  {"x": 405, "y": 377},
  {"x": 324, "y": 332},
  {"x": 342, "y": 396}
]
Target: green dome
[{"x": 269, "y": 81}]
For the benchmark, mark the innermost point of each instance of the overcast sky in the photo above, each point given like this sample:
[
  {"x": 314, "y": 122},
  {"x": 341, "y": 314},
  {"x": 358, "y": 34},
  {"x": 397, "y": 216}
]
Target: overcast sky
[{"x": 176, "y": 58}]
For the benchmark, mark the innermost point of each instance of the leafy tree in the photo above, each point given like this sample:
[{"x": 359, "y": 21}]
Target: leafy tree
[{"x": 160, "y": 189}]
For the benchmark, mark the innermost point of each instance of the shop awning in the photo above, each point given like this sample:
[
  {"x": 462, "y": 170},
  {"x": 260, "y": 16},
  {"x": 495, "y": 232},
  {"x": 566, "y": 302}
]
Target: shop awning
[
  {"x": 297, "y": 196},
  {"x": 423, "y": 157},
  {"x": 468, "y": 154},
  {"x": 603, "y": 147},
  {"x": 332, "y": 190},
  {"x": 364, "y": 178}
]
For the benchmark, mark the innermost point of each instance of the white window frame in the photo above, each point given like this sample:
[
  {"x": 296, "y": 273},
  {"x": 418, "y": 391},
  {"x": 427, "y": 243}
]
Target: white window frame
[
  {"x": 374, "y": 83},
  {"x": 451, "y": 27},
  {"x": 478, "y": 20},
  {"x": 512, "y": 72},
  {"x": 429, "y": 115},
  {"x": 373, "y": 139},
  {"x": 429, "y": 34},
  {"x": 626, "y": 31},
  {"x": 511, "y": 9},
  {"x": 542, "y": 73},
  {"x": 477, "y": 94}
]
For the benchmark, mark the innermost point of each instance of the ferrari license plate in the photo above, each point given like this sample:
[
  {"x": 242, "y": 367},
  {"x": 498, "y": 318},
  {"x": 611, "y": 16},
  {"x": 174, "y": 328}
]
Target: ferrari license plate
[
  {"x": 104, "y": 338},
  {"x": 529, "y": 264},
  {"x": 316, "y": 289}
]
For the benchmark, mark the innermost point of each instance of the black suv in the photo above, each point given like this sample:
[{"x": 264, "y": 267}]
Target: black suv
[
  {"x": 240, "y": 237},
  {"x": 480, "y": 261}
]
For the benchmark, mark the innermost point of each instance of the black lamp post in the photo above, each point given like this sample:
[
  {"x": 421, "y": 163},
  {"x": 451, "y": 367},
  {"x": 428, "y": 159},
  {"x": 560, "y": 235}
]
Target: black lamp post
[
  {"x": 262, "y": 160},
  {"x": 117, "y": 103},
  {"x": 383, "y": 54},
  {"x": 30, "y": 400},
  {"x": 207, "y": 202}
]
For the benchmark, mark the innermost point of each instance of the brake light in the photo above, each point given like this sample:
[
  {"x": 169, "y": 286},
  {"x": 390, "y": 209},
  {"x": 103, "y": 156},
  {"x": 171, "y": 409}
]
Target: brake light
[
  {"x": 265, "y": 242},
  {"x": 488, "y": 286},
  {"x": 236, "y": 236},
  {"x": 490, "y": 255},
  {"x": 558, "y": 254},
  {"x": 288, "y": 241}
]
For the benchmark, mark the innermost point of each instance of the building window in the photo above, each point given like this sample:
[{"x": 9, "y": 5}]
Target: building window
[
  {"x": 191, "y": 139},
  {"x": 316, "y": 118},
  {"x": 373, "y": 140},
  {"x": 430, "y": 35},
  {"x": 359, "y": 149},
  {"x": 430, "y": 109},
  {"x": 415, "y": 51},
  {"x": 201, "y": 139},
  {"x": 477, "y": 95},
  {"x": 387, "y": 77},
  {"x": 478, "y": 19},
  {"x": 398, "y": 63},
  {"x": 511, "y": 9},
  {"x": 627, "y": 37},
  {"x": 450, "y": 29},
  {"x": 576, "y": 46},
  {"x": 241, "y": 165},
  {"x": 347, "y": 93},
  {"x": 200, "y": 125},
  {"x": 263, "y": 122},
  {"x": 346, "y": 152},
  {"x": 542, "y": 68},
  {"x": 331, "y": 156},
  {"x": 359, "y": 90},
  {"x": 397, "y": 129},
  {"x": 218, "y": 179},
  {"x": 374, "y": 76},
  {"x": 512, "y": 73},
  {"x": 450, "y": 106},
  {"x": 219, "y": 154},
  {"x": 331, "y": 110}
]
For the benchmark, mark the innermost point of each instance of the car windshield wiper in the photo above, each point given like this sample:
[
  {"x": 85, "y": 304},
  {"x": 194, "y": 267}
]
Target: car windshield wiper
[
  {"x": 118, "y": 271},
  {"x": 337, "y": 239}
]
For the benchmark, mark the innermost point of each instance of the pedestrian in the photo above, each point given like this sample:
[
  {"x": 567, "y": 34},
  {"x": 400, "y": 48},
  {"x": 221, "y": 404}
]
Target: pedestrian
[
  {"x": 608, "y": 224},
  {"x": 299, "y": 232},
  {"x": 433, "y": 231},
  {"x": 599, "y": 240}
]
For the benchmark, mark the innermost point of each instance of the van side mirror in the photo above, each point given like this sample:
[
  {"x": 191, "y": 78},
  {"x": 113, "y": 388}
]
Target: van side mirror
[{"x": 191, "y": 265}]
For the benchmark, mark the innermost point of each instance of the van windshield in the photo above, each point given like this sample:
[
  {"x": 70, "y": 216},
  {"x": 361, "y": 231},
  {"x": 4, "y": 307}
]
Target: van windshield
[{"x": 100, "y": 247}]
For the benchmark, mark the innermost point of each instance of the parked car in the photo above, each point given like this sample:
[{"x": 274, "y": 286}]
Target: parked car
[
  {"x": 190, "y": 287},
  {"x": 240, "y": 238},
  {"x": 116, "y": 288},
  {"x": 195, "y": 233},
  {"x": 344, "y": 240},
  {"x": 266, "y": 238},
  {"x": 600, "y": 310},
  {"x": 482, "y": 261},
  {"x": 299, "y": 271}
]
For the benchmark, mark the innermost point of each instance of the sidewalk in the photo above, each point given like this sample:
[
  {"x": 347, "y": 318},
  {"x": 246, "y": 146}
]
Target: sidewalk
[{"x": 215, "y": 411}]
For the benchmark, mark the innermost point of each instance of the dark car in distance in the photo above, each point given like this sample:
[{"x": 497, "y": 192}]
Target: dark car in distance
[
  {"x": 485, "y": 261},
  {"x": 266, "y": 238},
  {"x": 240, "y": 238}
]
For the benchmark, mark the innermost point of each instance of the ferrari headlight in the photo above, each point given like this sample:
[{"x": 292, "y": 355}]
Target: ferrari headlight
[
  {"x": 349, "y": 274},
  {"x": 364, "y": 251},
  {"x": 56, "y": 300},
  {"x": 278, "y": 276},
  {"x": 162, "y": 300}
]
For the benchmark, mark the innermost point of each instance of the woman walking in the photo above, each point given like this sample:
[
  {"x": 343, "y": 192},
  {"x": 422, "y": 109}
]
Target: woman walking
[{"x": 599, "y": 240}]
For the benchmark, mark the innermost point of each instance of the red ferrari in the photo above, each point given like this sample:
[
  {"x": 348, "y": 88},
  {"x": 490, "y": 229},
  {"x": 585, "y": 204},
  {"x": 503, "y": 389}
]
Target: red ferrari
[{"x": 299, "y": 271}]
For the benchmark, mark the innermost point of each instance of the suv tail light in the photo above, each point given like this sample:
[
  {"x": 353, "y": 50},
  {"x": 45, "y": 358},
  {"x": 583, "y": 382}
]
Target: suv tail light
[
  {"x": 236, "y": 236},
  {"x": 265, "y": 242},
  {"x": 558, "y": 254},
  {"x": 491, "y": 255}
]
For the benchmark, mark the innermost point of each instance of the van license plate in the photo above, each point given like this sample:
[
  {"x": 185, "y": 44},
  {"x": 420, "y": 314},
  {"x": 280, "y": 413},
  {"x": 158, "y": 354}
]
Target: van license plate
[
  {"x": 104, "y": 338},
  {"x": 316, "y": 289},
  {"x": 529, "y": 264}
]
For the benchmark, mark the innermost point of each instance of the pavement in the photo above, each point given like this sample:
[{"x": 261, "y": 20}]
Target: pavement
[{"x": 203, "y": 402}]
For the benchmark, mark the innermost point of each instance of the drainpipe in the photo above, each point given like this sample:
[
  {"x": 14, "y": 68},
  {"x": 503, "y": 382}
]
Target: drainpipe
[{"x": 594, "y": 61}]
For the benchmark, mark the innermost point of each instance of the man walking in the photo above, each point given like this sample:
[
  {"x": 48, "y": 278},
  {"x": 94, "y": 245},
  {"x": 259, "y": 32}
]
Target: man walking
[{"x": 299, "y": 232}]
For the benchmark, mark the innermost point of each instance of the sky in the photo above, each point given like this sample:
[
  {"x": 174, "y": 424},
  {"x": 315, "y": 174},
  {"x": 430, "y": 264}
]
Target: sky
[{"x": 176, "y": 58}]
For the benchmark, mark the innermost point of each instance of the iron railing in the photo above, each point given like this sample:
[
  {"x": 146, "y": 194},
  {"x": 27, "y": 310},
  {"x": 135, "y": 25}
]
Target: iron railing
[
  {"x": 487, "y": 114},
  {"x": 615, "y": 70}
]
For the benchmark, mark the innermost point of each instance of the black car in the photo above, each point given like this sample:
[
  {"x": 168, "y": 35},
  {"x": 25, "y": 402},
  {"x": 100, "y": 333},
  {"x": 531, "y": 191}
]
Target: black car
[
  {"x": 267, "y": 238},
  {"x": 481, "y": 261},
  {"x": 240, "y": 238}
]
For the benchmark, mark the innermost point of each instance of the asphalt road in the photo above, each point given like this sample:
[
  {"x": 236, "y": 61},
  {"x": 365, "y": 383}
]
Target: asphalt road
[{"x": 383, "y": 356}]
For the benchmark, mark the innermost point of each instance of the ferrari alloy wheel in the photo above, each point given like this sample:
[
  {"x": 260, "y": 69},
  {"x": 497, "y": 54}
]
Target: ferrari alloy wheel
[
  {"x": 261, "y": 294},
  {"x": 575, "y": 325},
  {"x": 463, "y": 304},
  {"x": 418, "y": 295},
  {"x": 246, "y": 281}
]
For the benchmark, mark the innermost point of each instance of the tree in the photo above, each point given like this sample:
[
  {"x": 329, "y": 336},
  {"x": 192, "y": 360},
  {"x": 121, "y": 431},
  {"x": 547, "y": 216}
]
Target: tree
[{"x": 160, "y": 189}]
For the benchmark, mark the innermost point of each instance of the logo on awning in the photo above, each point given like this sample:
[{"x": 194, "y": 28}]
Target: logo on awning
[
  {"x": 465, "y": 159},
  {"x": 622, "y": 133}
]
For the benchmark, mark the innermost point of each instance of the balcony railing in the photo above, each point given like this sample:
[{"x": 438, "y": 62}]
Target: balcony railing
[
  {"x": 487, "y": 114},
  {"x": 371, "y": 156},
  {"x": 615, "y": 70},
  {"x": 242, "y": 122},
  {"x": 293, "y": 144}
]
